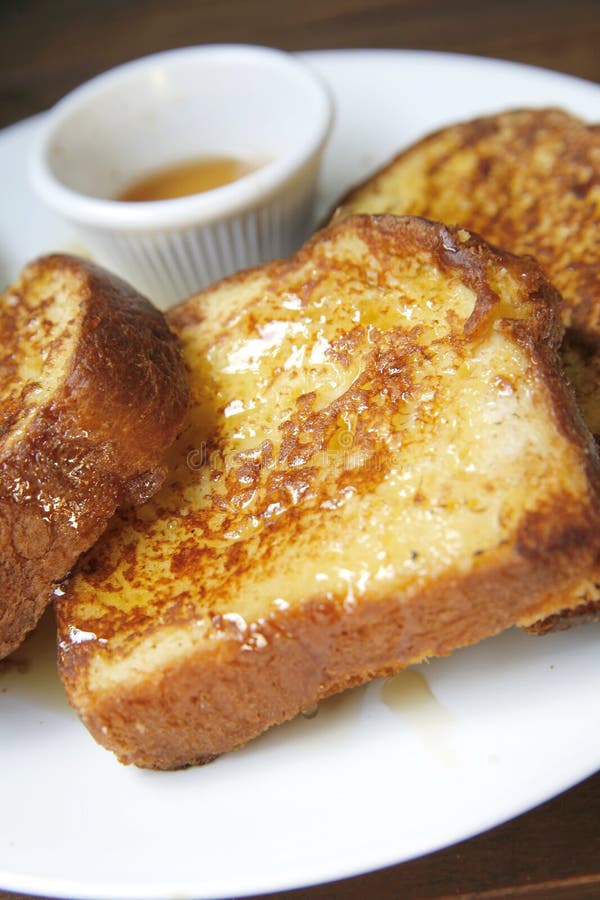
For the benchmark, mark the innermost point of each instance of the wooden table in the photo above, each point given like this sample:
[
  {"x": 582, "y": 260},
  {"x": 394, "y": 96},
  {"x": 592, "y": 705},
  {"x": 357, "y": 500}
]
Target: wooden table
[{"x": 49, "y": 46}]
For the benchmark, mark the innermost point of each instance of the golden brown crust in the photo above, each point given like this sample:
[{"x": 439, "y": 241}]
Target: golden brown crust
[
  {"x": 213, "y": 702},
  {"x": 527, "y": 180},
  {"x": 567, "y": 618},
  {"x": 97, "y": 440},
  {"x": 206, "y": 569}
]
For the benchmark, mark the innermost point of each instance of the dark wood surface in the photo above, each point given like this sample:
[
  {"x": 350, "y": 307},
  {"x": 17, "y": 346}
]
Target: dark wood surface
[{"x": 49, "y": 46}]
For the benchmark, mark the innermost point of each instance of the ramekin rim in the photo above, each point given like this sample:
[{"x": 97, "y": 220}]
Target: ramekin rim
[{"x": 260, "y": 184}]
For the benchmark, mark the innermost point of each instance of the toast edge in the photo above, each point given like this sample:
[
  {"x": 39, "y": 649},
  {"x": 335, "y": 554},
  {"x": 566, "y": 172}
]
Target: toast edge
[
  {"x": 123, "y": 339},
  {"x": 211, "y": 702},
  {"x": 218, "y": 701}
]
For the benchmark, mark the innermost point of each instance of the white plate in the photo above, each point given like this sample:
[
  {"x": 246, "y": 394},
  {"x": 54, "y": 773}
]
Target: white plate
[{"x": 381, "y": 774}]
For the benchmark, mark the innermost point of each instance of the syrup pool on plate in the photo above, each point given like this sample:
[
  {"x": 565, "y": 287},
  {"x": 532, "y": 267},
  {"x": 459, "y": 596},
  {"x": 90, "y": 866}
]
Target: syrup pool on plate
[{"x": 189, "y": 177}]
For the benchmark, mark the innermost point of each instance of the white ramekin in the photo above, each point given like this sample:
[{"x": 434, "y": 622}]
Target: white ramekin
[{"x": 255, "y": 103}]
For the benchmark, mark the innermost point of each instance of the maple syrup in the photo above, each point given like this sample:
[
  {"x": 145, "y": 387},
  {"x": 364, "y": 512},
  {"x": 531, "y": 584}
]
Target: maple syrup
[{"x": 189, "y": 177}]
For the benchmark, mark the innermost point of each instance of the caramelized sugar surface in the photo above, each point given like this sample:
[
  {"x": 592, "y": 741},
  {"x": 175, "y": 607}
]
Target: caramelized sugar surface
[
  {"x": 528, "y": 181},
  {"x": 37, "y": 327},
  {"x": 363, "y": 420}
]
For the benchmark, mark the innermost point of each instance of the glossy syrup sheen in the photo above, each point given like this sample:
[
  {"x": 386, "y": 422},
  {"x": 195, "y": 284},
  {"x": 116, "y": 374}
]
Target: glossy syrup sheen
[
  {"x": 37, "y": 327},
  {"x": 528, "y": 181},
  {"x": 346, "y": 440},
  {"x": 189, "y": 177}
]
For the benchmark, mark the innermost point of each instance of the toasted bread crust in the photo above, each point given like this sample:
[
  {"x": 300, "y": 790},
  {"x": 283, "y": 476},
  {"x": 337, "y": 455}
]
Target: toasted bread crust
[
  {"x": 98, "y": 438},
  {"x": 196, "y": 709},
  {"x": 230, "y": 671},
  {"x": 527, "y": 180}
]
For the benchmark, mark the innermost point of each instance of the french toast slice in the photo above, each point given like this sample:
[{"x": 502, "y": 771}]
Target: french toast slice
[
  {"x": 527, "y": 180},
  {"x": 382, "y": 462},
  {"x": 92, "y": 392}
]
